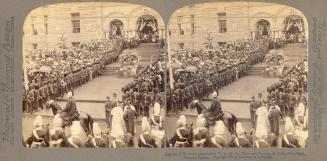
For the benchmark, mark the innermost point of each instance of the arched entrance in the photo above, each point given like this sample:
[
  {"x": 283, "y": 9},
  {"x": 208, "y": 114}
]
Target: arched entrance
[
  {"x": 263, "y": 28},
  {"x": 147, "y": 29},
  {"x": 294, "y": 29},
  {"x": 116, "y": 28}
]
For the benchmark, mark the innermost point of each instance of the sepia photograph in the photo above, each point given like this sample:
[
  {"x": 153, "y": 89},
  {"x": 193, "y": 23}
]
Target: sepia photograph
[
  {"x": 93, "y": 76},
  {"x": 237, "y": 76}
]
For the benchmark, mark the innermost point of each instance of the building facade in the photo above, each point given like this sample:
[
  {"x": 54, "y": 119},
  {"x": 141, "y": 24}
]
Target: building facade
[
  {"x": 80, "y": 22},
  {"x": 190, "y": 26}
]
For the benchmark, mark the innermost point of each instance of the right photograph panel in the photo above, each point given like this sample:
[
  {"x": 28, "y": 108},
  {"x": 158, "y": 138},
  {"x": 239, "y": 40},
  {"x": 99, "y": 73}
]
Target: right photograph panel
[{"x": 237, "y": 76}]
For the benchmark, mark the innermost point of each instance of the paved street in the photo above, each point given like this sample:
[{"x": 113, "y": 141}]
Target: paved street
[{"x": 101, "y": 87}]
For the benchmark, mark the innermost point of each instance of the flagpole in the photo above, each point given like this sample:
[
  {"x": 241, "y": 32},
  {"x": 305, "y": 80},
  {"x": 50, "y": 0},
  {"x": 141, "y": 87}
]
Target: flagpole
[
  {"x": 171, "y": 77},
  {"x": 26, "y": 81}
]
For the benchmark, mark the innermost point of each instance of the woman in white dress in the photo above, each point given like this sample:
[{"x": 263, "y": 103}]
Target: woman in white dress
[
  {"x": 262, "y": 122},
  {"x": 117, "y": 127}
]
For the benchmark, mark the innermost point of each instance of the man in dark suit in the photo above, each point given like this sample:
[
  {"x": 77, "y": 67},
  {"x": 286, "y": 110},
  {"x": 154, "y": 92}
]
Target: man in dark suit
[
  {"x": 253, "y": 108},
  {"x": 109, "y": 105}
]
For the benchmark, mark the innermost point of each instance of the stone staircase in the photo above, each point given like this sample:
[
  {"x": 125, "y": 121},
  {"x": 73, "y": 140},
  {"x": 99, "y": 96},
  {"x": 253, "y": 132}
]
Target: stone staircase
[
  {"x": 293, "y": 53},
  {"x": 146, "y": 53},
  {"x": 111, "y": 69},
  {"x": 257, "y": 70}
]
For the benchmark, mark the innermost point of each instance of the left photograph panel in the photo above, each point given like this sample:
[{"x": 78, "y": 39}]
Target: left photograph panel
[{"x": 93, "y": 76}]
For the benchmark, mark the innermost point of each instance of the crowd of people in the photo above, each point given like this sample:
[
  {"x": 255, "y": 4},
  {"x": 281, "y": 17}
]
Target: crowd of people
[
  {"x": 139, "y": 97},
  {"x": 283, "y": 114},
  {"x": 199, "y": 73},
  {"x": 121, "y": 115},
  {"x": 286, "y": 101},
  {"x": 146, "y": 87},
  {"x": 52, "y": 73}
]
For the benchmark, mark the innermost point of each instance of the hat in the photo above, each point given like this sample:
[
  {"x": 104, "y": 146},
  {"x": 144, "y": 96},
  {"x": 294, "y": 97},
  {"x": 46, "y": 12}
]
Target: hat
[
  {"x": 239, "y": 129},
  {"x": 96, "y": 129},
  {"x": 145, "y": 125},
  {"x": 181, "y": 121},
  {"x": 38, "y": 122},
  {"x": 51, "y": 101},
  {"x": 70, "y": 94},
  {"x": 214, "y": 94}
]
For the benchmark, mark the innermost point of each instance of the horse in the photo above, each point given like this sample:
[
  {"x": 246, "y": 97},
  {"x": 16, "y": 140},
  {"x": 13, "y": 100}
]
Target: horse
[
  {"x": 227, "y": 117},
  {"x": 221, "y": 135},
  {"x": 85, "y": 119}
]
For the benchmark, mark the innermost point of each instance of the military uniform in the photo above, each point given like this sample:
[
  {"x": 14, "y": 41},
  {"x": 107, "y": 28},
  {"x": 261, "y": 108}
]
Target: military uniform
[
  {"x": 38, "y": 138},
  {"x": 182, "y": 138},
  {"x": 146, "y": 102},
  {"x": 241, "y": 142},
  {"x": 157, "y": 98},
  {"x": 38, "y": 98},
  {"x": 98, "y": 142},
  {"x": 201, "y": 138},
  {"x": 136, "y": 102},
  {"x": 31, "y": 100},
  {"x": 146, "y": 140},
  {"x": 118, "y": 144}
]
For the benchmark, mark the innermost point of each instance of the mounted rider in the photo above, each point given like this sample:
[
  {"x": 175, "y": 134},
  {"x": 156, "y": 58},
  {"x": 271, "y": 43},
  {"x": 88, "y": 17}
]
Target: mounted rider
[
  {"x": 69, "y": 113},
  {"x": 214, "y": 112}
]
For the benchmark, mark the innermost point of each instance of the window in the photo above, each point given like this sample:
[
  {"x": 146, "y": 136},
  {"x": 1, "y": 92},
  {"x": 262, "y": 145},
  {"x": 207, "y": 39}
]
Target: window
[
  {"x": 169, "y": 32},
  {"x": 222, "y": 22},
  {"x": 192, "y": 24},
  {"x": 34, "y": 30},
  {"x": 180, "y": 30},
  {"x": 46, "y": 24},
  {"x": 75, "y": 44},
  {"x": 34, "y": 46},
  {"x": 181, "y": 45},
  {"x": 75, "y": 22}
]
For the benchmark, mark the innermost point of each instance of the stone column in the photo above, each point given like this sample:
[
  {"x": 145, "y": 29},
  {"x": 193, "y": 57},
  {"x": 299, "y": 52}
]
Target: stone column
[
  {"x": 274, "y": 34},
  {"x": 160, "y": 33}
]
